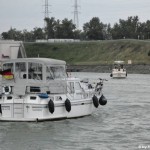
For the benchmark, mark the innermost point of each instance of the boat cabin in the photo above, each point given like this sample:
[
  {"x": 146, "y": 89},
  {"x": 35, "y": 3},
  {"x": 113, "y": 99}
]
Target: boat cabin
[
  {"x": 118, "y": 64},
  {"x": 33, "y": 74},
  {"x": 35, "y": 68}
]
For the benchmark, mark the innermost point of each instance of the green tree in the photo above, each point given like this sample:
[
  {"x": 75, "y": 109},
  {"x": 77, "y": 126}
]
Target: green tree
[
  {"x": 58, "y": 29},
  {"x": 94, "y": 29},
  {"x": 38, "y": 33},
  {"x": 147, "y": 29},
  {"x": 144, "y": 30},
  {"x": 50, "y": 25},
  {"x": 67, "y": 29},
  {"x": 5, "y": 35},
  {"x": 126, "y": 28},
  {"x": 28, "y": 36},
  {"x": 108, "y": 32},
  {"x": 12, "y": 34},
  {"x": 77, "y": 34},
  {"x": 116, "y": 32}
]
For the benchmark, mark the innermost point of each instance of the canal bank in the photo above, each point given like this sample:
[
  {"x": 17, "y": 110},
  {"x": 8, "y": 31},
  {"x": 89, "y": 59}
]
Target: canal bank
[{"x": 132, "y": 68}]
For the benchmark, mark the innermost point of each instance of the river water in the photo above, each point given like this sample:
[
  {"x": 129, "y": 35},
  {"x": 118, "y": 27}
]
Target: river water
[{"x": 123, "y": 124}]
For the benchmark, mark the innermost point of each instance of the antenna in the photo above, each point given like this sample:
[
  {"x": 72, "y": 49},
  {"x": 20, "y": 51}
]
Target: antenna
[{"x": 76, "y": 12}]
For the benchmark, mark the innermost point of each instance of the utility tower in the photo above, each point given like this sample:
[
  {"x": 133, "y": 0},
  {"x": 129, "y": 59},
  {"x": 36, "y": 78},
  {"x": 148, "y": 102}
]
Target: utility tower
[
  {"x": 46, "y": 12},
  {"x": 46, "y": 15},
  {"x": 76, "y": 12}
]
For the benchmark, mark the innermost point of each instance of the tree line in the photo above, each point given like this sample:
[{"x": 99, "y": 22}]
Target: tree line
[{"x": 131, "y": 28}]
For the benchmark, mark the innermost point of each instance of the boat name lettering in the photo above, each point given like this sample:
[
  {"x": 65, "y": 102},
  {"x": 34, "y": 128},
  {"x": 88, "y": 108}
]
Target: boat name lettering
[{"x": 36, "y": 109}]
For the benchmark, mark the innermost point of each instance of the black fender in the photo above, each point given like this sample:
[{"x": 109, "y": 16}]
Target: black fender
[
  {"x": 68, "y": 105},
  {"x": 102, "y": 100},
  {"x": 95, "y": 101},
  {"x": 51, "y": 106}
]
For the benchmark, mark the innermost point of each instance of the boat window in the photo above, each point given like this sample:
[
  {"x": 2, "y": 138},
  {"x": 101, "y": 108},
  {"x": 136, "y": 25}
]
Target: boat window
[
  {"x": 49, "y": 74},
  {"x": 121, "y": 66},
  {"x": 8, "y": 67},
  {"x": 9, "y": 97},
  {"x": 33, "y": 97},
  {"x": 70, "y": 87},
  {"x": 35, "y": 89},
  {"x": 77, "y": 86},
  {"x": 58, "y": 72},
  {"x": 20, "y": 66},
  {"x": 35, "y": 71}
]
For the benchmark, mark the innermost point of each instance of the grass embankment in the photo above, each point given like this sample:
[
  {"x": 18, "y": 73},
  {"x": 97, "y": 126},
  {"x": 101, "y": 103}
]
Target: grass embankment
[{"x": 93, "y": 53}]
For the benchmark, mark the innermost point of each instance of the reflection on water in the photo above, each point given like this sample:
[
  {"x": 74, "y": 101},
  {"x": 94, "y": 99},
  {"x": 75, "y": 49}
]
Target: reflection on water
[{"x": 124, "y": 123}]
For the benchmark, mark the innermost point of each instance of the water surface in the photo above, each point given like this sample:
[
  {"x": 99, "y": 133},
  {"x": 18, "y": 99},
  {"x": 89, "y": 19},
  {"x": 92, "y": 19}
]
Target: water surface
[{"x": 123, "y": 124}]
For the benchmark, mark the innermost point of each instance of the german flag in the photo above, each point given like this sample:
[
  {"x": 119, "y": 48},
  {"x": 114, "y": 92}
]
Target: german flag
[{"x": 7, "y": 74}]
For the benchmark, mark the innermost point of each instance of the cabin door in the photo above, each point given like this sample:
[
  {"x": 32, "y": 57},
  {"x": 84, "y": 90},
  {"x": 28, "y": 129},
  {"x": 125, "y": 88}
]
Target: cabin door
[
  {"x": 70, "y": 89},
  {"x": 75, "y": 90},
  {"x": 78, "y": 91}
]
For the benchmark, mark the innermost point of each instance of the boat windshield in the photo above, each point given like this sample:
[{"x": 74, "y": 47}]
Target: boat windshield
[
  {"x": 8, "y": 66},
  {"x": 120, "y": 66},
  {"x": 35, "y": 71},
  {"x": 55, "y": 72}
]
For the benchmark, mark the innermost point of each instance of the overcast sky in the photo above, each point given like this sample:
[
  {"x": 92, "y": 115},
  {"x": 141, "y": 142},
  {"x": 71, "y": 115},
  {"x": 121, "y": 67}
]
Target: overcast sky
[{"x": 27, "y": 14}]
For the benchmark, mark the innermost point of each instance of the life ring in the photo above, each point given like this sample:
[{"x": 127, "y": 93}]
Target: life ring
[
  {"x": 95, "y": 101},
  {"x": 102, "y": 100},
  {"x": 68, "y": 105},
  {"x": 6, "y": 89},
  {"x": 51, "y": 106}
]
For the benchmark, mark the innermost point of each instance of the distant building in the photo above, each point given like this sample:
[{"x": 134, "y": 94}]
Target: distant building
[
  {"x": 57, "y": 40},
  {"x": 10, "y": 49},
  {"x": 129, "y": 61}
]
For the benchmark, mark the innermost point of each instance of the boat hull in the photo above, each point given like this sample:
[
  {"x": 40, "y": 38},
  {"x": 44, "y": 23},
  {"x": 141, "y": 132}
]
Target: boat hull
[
  {"x": 40, "y": 112},
  {"x": 119, "y": 75}
]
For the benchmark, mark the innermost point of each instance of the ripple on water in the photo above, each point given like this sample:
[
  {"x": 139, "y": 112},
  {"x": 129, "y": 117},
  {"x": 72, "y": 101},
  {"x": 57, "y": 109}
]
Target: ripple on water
[{"x": 123, "y": 124}]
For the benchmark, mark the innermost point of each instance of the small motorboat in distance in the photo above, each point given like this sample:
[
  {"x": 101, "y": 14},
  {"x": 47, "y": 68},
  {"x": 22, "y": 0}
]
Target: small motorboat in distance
[
  {"x": 118, "y": 70},
  {"x": 38, "y": 89}
]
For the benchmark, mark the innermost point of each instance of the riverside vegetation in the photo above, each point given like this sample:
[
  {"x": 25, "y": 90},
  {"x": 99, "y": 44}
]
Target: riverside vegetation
[{"x": 94, "y": 53}]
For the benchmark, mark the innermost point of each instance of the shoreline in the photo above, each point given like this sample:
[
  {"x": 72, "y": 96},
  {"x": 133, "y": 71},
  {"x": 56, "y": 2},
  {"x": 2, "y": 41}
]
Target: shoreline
[{"x": 131, "y": 68}]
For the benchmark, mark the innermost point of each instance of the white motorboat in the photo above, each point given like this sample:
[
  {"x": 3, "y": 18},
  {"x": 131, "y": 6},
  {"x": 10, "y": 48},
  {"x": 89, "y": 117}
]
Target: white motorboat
[
  {"x": 38, "y": 89},
  {"x": 118, "y": 70}
]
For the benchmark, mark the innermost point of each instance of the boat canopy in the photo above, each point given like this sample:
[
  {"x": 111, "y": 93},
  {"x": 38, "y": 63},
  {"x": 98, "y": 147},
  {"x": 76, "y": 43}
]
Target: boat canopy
[
  {"x": 34, "y": 68},
  {"x": 46, "y": 61},
  {"x": 47, "y": 74}
]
